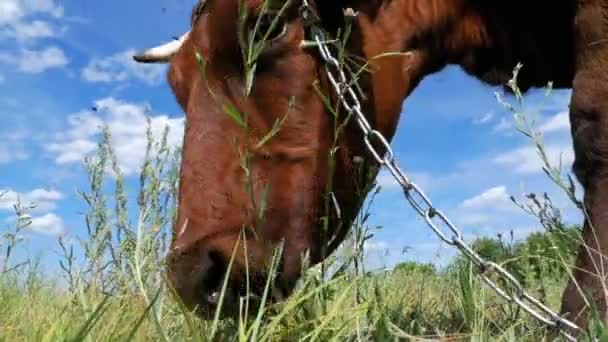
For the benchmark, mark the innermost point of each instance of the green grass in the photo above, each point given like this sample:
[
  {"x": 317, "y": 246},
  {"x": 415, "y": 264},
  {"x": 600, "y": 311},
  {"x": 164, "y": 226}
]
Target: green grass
[
  {"x": 110, "y": 286},
  {"x": 387, "y": 306}
]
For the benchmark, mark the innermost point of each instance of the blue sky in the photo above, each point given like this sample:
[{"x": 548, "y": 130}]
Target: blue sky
[{"x": 59, "y": 60}]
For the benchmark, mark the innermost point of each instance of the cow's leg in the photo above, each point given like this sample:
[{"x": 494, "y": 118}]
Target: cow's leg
[{"x": 589, "y": 121}]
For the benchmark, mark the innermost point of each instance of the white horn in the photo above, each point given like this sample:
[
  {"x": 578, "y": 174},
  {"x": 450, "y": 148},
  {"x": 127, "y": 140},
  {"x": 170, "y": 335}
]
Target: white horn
[{"x": 163, "y": 53}]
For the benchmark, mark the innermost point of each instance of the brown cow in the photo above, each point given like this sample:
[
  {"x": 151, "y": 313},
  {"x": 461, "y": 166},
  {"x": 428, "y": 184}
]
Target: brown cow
[{"x": 559, "y": 41}]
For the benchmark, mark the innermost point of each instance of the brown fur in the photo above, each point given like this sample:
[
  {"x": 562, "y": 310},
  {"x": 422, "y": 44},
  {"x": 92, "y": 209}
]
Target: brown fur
[{"x": 559, "y": 41}]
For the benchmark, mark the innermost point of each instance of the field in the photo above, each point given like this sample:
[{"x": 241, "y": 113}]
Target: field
[
  {"x": 110, "y": 286},
  {"x": 395, "y": 306},
  {"x": 413, "y": 302}
]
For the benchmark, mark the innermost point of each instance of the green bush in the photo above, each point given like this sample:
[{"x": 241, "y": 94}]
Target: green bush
[{"x": 412, "y": 267}]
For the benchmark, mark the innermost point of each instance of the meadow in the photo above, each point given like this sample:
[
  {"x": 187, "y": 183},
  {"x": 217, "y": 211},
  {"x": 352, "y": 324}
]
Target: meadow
[{"x": 110, "y": 285}]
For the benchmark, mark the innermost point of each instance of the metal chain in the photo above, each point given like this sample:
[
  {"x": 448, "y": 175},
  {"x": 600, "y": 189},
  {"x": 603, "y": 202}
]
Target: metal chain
[{"x": 421, "y": 202}]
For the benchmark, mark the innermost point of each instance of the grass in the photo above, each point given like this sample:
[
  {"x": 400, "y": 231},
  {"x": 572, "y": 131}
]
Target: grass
[
  {"x": 112, "y": 288},
  {"x": 111, "y": 284},
  {"x": 389, "y": 306}
]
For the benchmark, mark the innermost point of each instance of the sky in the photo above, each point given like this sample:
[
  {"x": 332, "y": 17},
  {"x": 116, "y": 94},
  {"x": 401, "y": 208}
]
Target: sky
[{"x": 58, "y": 60}]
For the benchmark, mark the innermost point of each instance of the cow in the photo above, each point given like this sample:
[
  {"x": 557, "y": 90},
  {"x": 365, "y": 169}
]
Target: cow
[{"x": 309, "y": 200}]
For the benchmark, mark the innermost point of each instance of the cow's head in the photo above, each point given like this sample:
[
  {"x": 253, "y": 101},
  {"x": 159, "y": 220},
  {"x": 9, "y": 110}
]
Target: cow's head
[{"x": 256, "y": 168}]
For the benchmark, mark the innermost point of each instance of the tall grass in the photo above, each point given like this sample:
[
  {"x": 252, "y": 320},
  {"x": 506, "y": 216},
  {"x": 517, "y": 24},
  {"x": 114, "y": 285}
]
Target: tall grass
[
  {"x": 117, "y": 291},
  {"x": 112, "y": 285}
]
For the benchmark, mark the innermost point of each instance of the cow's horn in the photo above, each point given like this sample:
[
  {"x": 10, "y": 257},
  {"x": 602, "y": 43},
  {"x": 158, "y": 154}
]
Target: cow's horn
[{"x": 163, "y": 53}]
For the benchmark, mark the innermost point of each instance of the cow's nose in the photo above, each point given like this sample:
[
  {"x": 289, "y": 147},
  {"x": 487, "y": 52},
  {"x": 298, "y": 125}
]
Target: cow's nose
[{"x": 197, "y": 275}]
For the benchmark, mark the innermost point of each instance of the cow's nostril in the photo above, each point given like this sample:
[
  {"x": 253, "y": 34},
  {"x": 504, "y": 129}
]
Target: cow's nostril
[
  {"x": 214, "y": 298},
  {"x": 211, "y": 284}
]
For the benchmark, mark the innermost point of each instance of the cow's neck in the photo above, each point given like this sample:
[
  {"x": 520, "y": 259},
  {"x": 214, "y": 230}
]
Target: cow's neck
[
  {"x": 487, "y": 39},
  {"x": 406, "y": 40},
  {"x": 391, "y": 36},
  {"x": 378, "y": 37}
]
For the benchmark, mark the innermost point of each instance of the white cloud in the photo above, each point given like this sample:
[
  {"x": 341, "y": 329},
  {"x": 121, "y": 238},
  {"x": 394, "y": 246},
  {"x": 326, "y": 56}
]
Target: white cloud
[
  {"x": 370, "y": 246},
  {"x": 8, "y": 154},
  {"x": 39, "y": 61},
  {"x": 50, "y": 7},
  {"x": 557, "y": 123},
  {"x": 127, "y": 124},
  {"x": 14, "y": 10},
  {"x": 504, "y": 125},
  {"x": 71, "y": 151},
  {"x": 12, "y": 146},
  {"x": 48, "y": 224},
  {"x": 484, "y": 119},
  {"x": 24, "y": 31},
  {"x": 121, "y": 68},
  {"x": 490, "y": 208},
  {"x": 15, "y": 22},
  {"x": 388, "y": 183},
  {"x": 36, "y": 61},
  {"x": 9, "y": 11},
  {"x": 489, "y": 198},
  {"x": 526, "y": 160},
  {"x": 44, "y": 200},
  {"x": 474, "y": 219}
]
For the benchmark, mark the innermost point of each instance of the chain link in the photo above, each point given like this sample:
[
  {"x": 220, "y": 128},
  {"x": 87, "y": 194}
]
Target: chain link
[{"x": 513, "y": 291}]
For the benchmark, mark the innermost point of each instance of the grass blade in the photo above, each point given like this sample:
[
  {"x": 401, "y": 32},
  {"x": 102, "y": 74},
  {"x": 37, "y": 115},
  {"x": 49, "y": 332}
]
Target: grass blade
[{"x": 90, "y": 323}]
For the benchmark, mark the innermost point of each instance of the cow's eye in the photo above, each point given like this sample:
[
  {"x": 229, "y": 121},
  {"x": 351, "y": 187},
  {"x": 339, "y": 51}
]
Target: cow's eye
[{"x": 269, "y": 27}]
